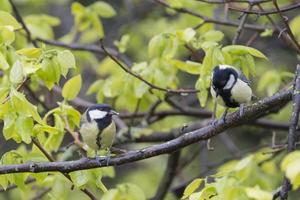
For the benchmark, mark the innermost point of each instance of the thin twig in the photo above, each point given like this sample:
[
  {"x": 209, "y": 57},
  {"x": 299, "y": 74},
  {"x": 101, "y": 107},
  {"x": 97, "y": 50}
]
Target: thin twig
[
  {"x": 51, "y": 159},
  {"x": 241, "y": 25},
  {"x": 234, "y": 1},
  {"x": 20, "y": 19},
  {"x": 287, "y": 26},
  {"x": 266, "y": 12},
  {"x": 212, "y": 20},
  {"x": 152, "y": 86},
  {"x": 90, "y": 48}
]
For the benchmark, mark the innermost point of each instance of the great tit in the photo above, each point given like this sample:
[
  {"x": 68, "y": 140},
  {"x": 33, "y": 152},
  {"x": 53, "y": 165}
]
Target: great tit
[
  {"x": 97, "y": 128},
  {"x": 230, "y": 88}
]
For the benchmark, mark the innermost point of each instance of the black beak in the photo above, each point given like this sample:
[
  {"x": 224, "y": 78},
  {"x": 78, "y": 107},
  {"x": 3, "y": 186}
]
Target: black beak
[{"x": 112, "y": 112}]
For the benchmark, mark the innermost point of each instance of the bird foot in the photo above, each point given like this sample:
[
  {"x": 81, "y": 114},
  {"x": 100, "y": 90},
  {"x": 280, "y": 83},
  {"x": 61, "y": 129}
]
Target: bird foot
[
  {"x": 213, "y": 122},
  {"x": 107, "y": 158},
  {"x": 98, "y": 158}
]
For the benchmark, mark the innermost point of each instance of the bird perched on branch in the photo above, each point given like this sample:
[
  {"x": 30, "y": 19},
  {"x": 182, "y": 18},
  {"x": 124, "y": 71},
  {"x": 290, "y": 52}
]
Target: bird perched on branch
[
  {"x": 97, "y": 128},
  {"x": 230, "y": 88}
]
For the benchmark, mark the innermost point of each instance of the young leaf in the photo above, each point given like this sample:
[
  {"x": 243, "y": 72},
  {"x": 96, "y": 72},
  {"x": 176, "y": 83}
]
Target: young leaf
[
  {"x": 241, "y": 50},
  {"x": 192, "y": 187},
  {"x": 186, "y": 35},
  {"x": 258, "y": 194},
  {"x": 24, "y": 128},
  {"x": 79, "y": 178},
  {"x": 66, "y": 61},
  {"x": 7, "y": 20},
  {"x": 72, "y": 88},
  {"x": 3, "y": 63},
  {"x": 103, "y": 9},
  {"x": 16, "y": 73},
  {"x": 30, "y": 52}
]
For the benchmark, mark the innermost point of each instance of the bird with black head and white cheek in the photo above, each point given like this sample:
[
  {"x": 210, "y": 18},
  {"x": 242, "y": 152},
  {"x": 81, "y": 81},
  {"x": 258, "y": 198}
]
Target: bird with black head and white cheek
[
  {"x": 230, "y": 88},
  {"x": 98, "y": 129}
]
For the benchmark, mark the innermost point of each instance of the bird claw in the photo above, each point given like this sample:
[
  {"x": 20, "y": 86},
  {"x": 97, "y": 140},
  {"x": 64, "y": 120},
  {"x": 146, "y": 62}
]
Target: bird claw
[
  {"x": 213, "y": 122},
  {"x": 107, "y": 158},
  {"x": 223, "y": 119},
  {"x": 98, "y": 158}
]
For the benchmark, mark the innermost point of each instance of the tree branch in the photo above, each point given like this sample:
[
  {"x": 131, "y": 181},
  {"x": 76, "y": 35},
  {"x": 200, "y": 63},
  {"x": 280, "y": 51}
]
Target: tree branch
[
  {"x": 287, "y": 26},
  {"x": 20, "y": 19},
  {"x": 259, "y": 109},
  {"x": 241, "y": 25},
  {"x": 212, "y": 20},
  {"x": 152, "y": 86},
  {"x": 168, "y": 176},
  {"x": 266, "y": 12},
  {"x": 286, "y": 186}
]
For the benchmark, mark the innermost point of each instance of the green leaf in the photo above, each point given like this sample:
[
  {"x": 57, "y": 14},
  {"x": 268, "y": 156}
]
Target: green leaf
[
  {"x": 45, "y": 128},
  {"x": 72, "y": 88},
  {"x": 3, "y": 63},
  {"x": 162, "y": 45},
  {"x": 295, "y": 155},
  {"x": 267, "y": 32},
  {"x": 250, "y": 64},
  {"x": 54, "y": 141},
  {"x": 140, "y": 88},
  {"x": 175, "y": 3},
  {"x": 258, "y": 194},
  {"x": 79, "y": 178},
  {"x": 242, "y": 50},
  {"x": 103, "y": 9},
  {"x": 213, "y": 35},
  {"x": 269, "y": 81},
  {"x": 7, "y": 35},
  {"x": 24, "y": 107},
  {"x": 188, "y": 66},
  {"x": 16, "y": 73},
  {"x": 66, "y": 61},
  {"x": 97, "y": 25},
  {"x": 95, "y": 87},
  {"x": 7, "y": 20},
  {"x": 48, "y": 73},
  {"x": 24, "y": 128},
  {"x": 30, "y": 52},
  {"x": 4, "y": 181},
  {"x": 208, "y": 192},
  {"x": 292, "y": 172},
  {"x": 122, "y": 44},
  {"x": 186, "y": 35},
  {"x": 192, "y": 187}
]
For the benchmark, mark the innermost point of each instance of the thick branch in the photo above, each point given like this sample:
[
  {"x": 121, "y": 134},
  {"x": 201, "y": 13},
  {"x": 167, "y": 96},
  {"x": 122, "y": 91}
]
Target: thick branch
[
  {"x": 286, "y": 187},
  {"x": 255, "y": 111}
]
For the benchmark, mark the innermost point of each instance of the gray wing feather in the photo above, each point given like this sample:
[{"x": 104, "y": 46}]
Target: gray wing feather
[{"x": 243, "y": 77}]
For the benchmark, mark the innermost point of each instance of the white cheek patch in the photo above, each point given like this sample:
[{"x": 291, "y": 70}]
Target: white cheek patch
[
  {"x": 230, "y": 82},
  {"x": 97, "y": 114}
]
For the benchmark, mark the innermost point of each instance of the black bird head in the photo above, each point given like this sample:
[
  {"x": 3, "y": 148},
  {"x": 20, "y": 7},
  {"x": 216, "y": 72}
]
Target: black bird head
[
  {"x": 101, "y": 113},
  {"x": 223, "y": 77}
]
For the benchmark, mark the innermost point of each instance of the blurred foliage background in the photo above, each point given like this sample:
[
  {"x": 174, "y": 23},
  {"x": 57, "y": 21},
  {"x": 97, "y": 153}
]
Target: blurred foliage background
[{"x": 159, "y": 44}]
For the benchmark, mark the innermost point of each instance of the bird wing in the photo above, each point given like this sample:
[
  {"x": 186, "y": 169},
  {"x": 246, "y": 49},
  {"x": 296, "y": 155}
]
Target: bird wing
[{"x": 243, "y": 77}]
